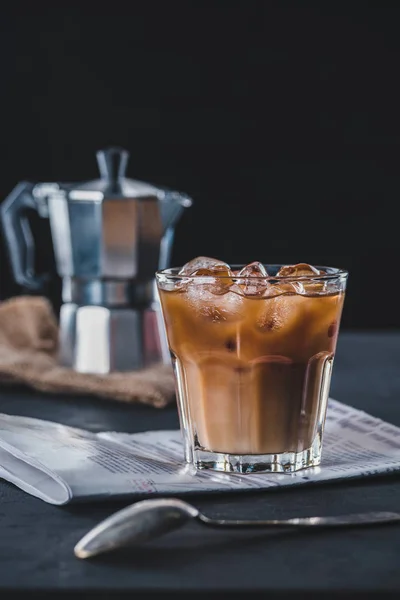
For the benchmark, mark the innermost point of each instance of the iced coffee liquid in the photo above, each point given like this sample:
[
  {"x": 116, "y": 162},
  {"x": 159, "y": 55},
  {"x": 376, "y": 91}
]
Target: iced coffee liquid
[{"x": 254, "y": 371}]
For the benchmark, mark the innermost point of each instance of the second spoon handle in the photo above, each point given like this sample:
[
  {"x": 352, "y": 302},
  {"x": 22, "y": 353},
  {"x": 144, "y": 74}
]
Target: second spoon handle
[{"x": 351, "y": 520}]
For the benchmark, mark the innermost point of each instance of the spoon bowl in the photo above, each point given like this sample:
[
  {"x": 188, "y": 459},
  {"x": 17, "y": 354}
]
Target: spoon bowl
[{"x": 137, "y": 523}]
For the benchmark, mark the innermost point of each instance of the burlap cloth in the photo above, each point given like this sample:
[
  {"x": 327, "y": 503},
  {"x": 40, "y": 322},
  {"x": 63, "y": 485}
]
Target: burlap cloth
[{"x": 28, "y": 355}]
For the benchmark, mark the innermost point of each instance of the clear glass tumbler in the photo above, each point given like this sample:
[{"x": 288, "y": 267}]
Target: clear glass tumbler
[{"x": 253, "y": 360}]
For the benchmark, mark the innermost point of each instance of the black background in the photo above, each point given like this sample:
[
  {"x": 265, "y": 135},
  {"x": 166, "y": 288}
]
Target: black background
[{"x": 280, "y": 119}]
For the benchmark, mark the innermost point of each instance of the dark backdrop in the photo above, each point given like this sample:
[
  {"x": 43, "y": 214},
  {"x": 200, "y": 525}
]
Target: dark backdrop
[{"x": 280, "y": 119}]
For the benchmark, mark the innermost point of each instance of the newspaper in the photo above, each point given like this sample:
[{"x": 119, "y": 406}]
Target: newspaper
[{"x": 61, "y": 464}]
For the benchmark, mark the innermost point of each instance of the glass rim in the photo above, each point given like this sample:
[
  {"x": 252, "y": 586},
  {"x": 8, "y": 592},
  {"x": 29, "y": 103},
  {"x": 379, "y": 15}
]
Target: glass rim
[{"x": 328, "y": 273}]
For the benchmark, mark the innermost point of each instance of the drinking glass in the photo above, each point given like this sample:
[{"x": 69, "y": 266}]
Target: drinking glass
[{"x": 252, "y": 358}]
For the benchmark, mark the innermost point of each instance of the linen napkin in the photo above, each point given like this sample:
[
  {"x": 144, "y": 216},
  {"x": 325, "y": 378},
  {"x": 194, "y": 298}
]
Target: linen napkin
[{"x": 29, "y": 350}]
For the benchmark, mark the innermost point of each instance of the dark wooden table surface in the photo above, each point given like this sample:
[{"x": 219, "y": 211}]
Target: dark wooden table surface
[{"x": 37, "y": 539}]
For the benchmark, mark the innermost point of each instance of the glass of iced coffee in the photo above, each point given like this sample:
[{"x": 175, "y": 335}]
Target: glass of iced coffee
[{"x": 252, "y": 349}]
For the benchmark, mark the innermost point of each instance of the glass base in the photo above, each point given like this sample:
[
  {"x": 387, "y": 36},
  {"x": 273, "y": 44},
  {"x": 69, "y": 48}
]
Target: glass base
[{"x": 286, "y": 462}]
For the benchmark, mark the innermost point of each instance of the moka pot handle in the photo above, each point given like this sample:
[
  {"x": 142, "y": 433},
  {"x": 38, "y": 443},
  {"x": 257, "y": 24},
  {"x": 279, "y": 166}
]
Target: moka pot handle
[{"x": 18, "y": 236}]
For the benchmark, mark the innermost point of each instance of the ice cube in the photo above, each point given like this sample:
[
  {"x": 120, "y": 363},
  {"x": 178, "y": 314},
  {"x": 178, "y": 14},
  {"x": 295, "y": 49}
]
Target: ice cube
[
  {"x": 304, "y": 270},
  {"x": 272, "y": 316},
  {"x": 289, "y": 288},
  {"x": 280, "y": 312},
  {"x": 202, "y": 262},
  {"x": 214, "y": 307},
  {"x": 217, "y": 280},
  {"x": 254, "y": 269},
  {"x": 299, "y": 270},
  {"x": 214, "y": 275},
  {"x": 253, "y": 279}
]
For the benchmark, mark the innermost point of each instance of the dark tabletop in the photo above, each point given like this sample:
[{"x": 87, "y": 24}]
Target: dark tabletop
[{"x": 37, "y": 539}]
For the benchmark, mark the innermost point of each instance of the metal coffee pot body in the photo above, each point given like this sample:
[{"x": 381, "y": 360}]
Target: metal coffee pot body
[{"x": 109, "y": 237}]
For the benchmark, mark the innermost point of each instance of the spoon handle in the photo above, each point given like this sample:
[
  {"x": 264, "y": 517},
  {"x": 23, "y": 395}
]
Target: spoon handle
[{"x": 351, "y": 520}]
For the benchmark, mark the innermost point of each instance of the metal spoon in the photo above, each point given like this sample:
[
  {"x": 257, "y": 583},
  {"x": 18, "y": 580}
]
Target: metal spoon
[{"x": 149, "y": 519}]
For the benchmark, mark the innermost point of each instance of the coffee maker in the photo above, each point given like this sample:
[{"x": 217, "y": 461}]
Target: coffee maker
[{"x": 109, "y": 236}]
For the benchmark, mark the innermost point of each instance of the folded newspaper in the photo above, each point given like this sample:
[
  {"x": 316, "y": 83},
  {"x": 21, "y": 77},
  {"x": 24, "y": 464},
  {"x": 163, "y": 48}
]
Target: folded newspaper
[{"x": 60, "y": 464}]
